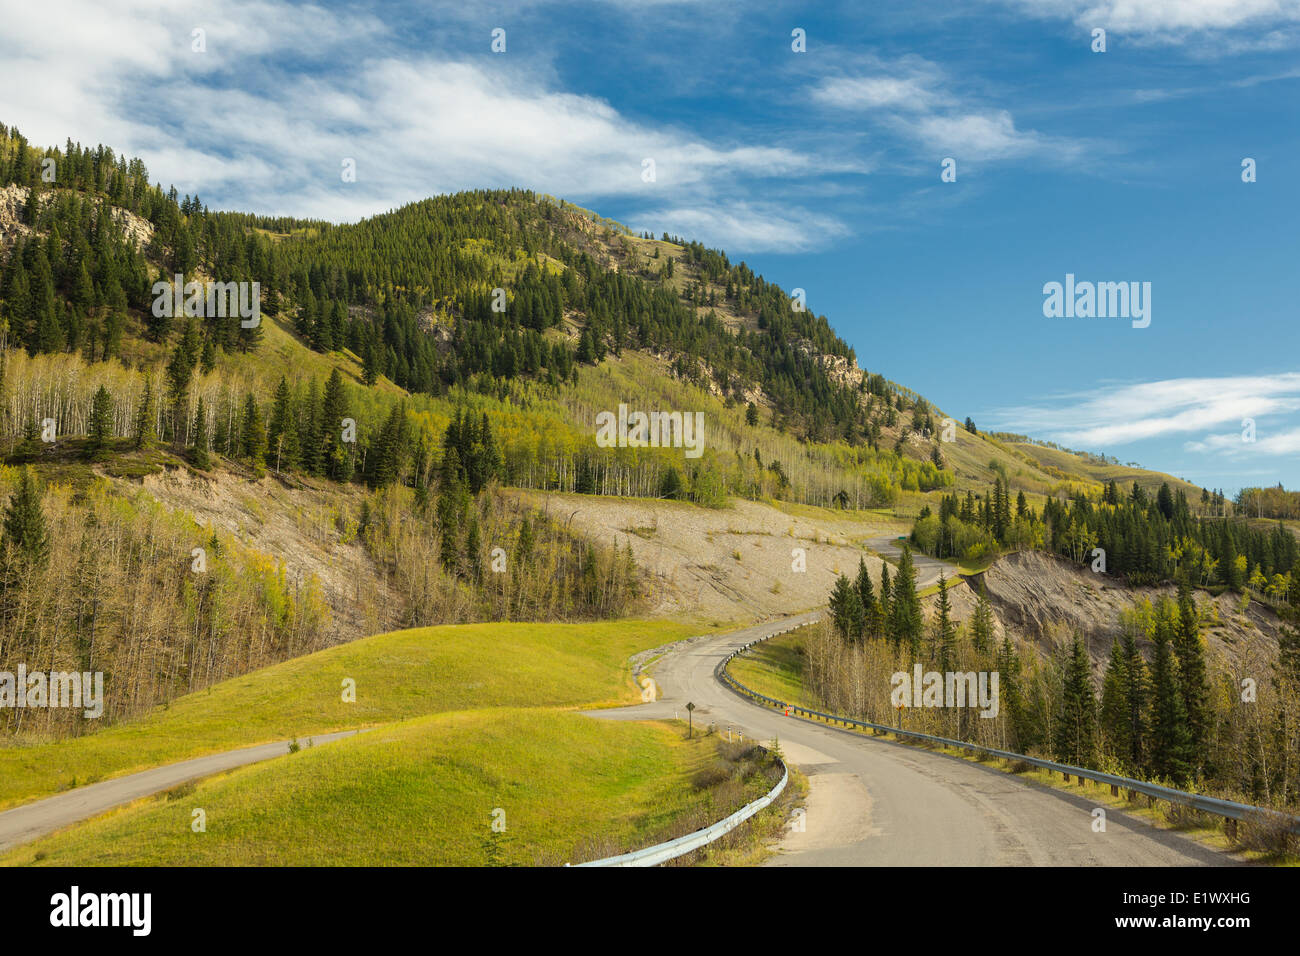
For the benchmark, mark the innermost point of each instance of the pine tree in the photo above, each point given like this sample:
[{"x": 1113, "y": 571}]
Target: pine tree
[
  {"x": 1192, "y": 672},
  {"x": 144, "y": 434},
  {"x": 1171, "y": 741},
  {"x": 101, "y": 421},
  {"x": 945, "y": 632},
  {"x": 25, "y": 534},
  {"x": 905, "y": 606},
  {"x": 208, "y": 357},
  {"x": 335, "y": 458},
  {"x": 199, "y": 439},
  {"x": 886, "y": 603},
  {"x": 982, "y": 623},
  {"x": 867, "y": 597},
  {"x": 1076, "y": 717},
  {"x": 1011, "y": 696},
  {"x": 847, "y": 613},
  {"x": 1138, "y": 690},
  {"x": 281, "y": 432},
  {"x": 253, "y": 436}
]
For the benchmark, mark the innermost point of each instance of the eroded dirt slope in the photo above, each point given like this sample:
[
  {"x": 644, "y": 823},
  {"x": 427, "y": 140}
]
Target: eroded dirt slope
[{"x": 1042, "y": 600}]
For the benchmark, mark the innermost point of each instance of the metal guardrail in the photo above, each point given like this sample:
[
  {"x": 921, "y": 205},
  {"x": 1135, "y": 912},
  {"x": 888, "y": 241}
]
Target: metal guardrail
[
  {"x": 1230, "y": 811},
  {"x": 663, "y": 852}
]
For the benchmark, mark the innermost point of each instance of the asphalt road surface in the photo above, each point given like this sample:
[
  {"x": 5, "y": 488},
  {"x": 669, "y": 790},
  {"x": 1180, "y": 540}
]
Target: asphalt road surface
[
  {"x": 927, "y": 568},
  {"x": 32, "y": 820},
  {"x": 873, "y": 802}
]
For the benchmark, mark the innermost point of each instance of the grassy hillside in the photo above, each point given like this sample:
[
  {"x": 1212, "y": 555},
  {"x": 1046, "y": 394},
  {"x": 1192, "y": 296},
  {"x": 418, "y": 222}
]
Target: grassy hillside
[
  {"x": 397, "y": 676},
  {"x": 423, "y": 792}
]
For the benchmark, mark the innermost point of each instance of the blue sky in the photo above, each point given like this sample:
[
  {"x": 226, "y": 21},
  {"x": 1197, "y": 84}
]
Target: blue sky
[{"x": 820, "y": 168}]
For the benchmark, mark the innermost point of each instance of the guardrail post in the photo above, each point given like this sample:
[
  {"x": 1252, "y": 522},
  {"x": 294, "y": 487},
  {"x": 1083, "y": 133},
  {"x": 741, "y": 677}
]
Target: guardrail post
[
  {"x": 1230, "y": 828},
  {"x": 1114, "y": 790},
  {"x": 1066, "y": 776}
]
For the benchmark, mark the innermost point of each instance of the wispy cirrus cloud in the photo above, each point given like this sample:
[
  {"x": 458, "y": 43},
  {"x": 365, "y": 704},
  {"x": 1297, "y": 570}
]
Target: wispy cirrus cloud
[
  {"x": 244, "y": 129},
  {"x": 1122, "y": 414},
  {"x": 1232, "y": 25},
  {"x": 914, "y": 99}
]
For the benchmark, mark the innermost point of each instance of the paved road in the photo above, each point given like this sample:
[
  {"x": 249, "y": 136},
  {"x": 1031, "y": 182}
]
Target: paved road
[
  {"x": 927, "y": 568},
  {"x": 874, "y": 802},
  {"x": 32, "y": 820}
]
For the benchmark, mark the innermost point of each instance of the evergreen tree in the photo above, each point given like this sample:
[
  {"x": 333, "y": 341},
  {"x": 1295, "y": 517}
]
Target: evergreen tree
[
  {"x": 253, "y": 436},
  {"x": 282, "y": 433},
  {"x": 1192, "y": 677},
  {"x": 144, "y": 433},
  {"x": 846, "y": 609},
  {"x": 886, "y": 603},
  {"x": 867, "y": 597},
  {"x": 1171, "y": 741},
  {"x": 101, "y": 421},
  {"x": 25, "y": 534},
  {"x": 945, "y": 632},
  {"x": 199, "y": 439},
  {"x": 982, "y": 623},
  {"x": 905, "y": 605},
  {"x": 1076, "y": 718}
]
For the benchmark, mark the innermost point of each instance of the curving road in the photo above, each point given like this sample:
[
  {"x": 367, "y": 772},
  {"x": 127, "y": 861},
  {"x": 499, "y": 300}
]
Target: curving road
[
  {"x": 874, "y": 802},
  {"x": 927, "y": 568},
  {"x": 31, "y": 820}
]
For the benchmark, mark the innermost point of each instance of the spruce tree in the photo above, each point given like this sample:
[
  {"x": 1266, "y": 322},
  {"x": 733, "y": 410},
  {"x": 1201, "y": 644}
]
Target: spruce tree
[
  {"x": 867, "y": 596},
  {"x": 101, "y": 421},
  {"x": 846, "y": 609},
  {"x": 144, "y": 435},
  {"x": 1139, "y": 701},
  {"x": 905, "y": 606},
  {"x": 25, "y": 533},
  {"x": 982, "y": 622},
  {"x": 199, "y": 439},
  {"x": 1192, "y": 672},
  {"x": 1076, "y": 717},
  {"x": 945, "y": 632},
  {"x": 1171, "y": 741},
  {"x": 253, "y": 436}
]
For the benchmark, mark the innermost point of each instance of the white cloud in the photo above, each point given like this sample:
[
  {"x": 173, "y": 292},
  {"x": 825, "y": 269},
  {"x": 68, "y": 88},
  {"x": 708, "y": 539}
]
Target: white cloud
[
  {"x": 1120, "y": 414},
  {"x": 762, "y": 227},
  {"x": 871, "y": 92},
  {"x": 913, "y": 98},
  {"x": 232, "y": 126},
  {"x": 1266, "y": 443},
  {"x": 1172, "y": 21}
]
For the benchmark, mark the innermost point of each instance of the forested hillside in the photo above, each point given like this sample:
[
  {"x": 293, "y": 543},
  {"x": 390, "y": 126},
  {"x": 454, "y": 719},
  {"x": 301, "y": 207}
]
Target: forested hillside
[{"x": 399, "y": 373}]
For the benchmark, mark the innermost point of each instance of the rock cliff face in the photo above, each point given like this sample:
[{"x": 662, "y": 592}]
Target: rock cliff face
[{"x": 13, "y": 205}]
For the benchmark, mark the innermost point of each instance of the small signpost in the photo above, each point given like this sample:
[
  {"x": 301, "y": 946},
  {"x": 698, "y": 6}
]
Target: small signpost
[{"x": 690, "y": 708}]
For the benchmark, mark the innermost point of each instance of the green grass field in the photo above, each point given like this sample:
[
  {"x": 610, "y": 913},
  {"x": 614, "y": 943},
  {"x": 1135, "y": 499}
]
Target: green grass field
[
  {"x": 775, "y": 668},
  {"x": 420, "y": 792},
  {"x": 398, "y": 676}
]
